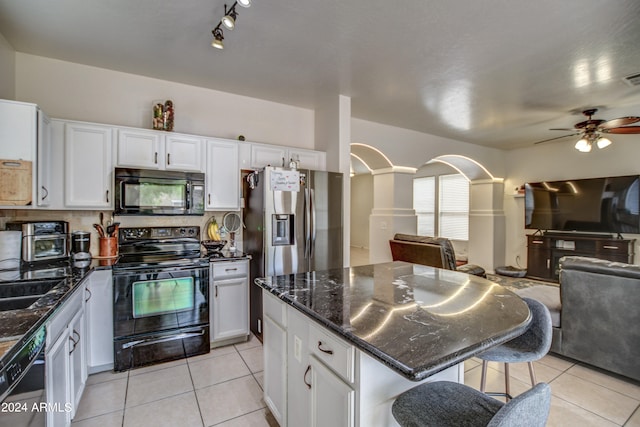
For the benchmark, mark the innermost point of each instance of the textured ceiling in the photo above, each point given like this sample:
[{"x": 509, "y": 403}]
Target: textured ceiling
[{"x": 498, "y": 73}]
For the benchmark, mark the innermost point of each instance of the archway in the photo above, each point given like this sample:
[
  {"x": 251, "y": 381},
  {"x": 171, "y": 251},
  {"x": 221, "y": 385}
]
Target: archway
[{"x": 392, "y": 204}]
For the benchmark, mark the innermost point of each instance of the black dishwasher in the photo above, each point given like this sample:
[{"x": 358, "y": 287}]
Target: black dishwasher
[{"x": 22, "y": 389}]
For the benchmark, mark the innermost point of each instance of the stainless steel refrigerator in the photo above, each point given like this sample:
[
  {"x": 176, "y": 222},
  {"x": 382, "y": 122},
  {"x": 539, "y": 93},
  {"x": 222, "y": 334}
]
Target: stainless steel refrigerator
[{"x": 293, "y": 220}]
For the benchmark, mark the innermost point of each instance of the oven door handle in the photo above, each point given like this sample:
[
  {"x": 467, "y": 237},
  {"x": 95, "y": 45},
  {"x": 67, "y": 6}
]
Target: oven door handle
[{"x": 152, "y": 341}]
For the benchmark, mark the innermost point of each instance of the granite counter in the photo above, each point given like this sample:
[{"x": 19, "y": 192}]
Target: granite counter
[{"x": 417, "y": 320}]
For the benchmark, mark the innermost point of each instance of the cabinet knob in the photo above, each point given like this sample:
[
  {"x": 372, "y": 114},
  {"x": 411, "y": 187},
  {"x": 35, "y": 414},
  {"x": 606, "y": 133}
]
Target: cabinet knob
[
  {"x": 46, "y": 192},
  {"x": 322, "y": 349},
  {"x": 155, "y": 158},
  {"x": 107, "y": 196},
  {"x": 168, "y": 158}
]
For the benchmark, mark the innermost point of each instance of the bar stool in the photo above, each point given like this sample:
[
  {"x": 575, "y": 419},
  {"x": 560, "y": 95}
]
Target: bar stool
[
  {"x": 532, "y": 345},
  {"x": 445, "y": 403}
]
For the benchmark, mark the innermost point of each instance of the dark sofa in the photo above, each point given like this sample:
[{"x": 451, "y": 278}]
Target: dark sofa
[
  {"x": 599, "y": 313},
  {"x": 432, "y": 251}
]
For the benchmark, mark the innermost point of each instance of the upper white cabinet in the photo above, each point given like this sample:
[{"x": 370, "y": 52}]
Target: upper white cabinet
[
  {"x": 44, "y": 181},
  {"x": 148, "y": 149},
  {"x": 88, "y": 166},
  {"x": 24, "y": 132},
  {"x": 222, "y": 175},
  {"x": 262, "y": 155},
  {"x": 308, "y": 159}
]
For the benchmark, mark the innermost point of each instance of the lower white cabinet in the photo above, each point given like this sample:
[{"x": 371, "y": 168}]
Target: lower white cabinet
[
  {"x": 332, "y": 399},
  {"x": 99, "y": 315},
  {"x": 229, "y": 301},
  {"x": 65, "y": 360},
  {"x": 275, "y": 369}
]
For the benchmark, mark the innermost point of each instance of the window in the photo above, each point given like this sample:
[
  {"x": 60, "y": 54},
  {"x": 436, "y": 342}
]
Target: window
[{"x": 442, "y": 206}]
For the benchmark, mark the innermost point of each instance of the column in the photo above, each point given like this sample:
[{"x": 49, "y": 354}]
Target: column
[
  {"x": 486, "y": 223},
  {"x": 392, "y": 210}
]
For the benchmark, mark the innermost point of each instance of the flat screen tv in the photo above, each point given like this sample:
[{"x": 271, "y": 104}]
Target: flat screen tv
[{"x": 609, "y": 205}]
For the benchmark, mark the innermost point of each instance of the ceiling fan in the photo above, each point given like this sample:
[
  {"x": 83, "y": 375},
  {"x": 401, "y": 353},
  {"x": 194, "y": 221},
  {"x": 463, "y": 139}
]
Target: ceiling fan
[{"x": 591, "y": 130}]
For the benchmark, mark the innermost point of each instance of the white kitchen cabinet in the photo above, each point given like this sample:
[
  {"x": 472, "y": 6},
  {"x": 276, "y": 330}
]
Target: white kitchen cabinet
[
  {"x": 229, "y": 301},
  {"x": 57, "y": 381},
  {"x": 275, "y": 155},
  {"x": 275, "y": 357},
  {"x": 147, "y": 149},
  {"x": 268, "y": 155},
  {"x": 88, "y": 166},
  {"x": 308, "y": 159},
  {"x": 65, "y": 359},
  {"x": 99, "y": 315},
  {"x": 332, "y": 399},
  {"x": 275, "y": 369},
  {"x": 77, "y": 359},
  {"x": 24, "y": 147},
  {"x": 43, "y": 180},
  {"x": 222, "y": 175}
]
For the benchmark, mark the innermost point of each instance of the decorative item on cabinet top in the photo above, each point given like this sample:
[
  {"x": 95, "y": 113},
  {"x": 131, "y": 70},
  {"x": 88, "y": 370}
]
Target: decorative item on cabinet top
[{"x": 163, "y": 115}]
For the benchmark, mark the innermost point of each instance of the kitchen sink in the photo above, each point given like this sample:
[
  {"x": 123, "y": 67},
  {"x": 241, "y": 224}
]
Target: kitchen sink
[{"x": 21, "y": 294}]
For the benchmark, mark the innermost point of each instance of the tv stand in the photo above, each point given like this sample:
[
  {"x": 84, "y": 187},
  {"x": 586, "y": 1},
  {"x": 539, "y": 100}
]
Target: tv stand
[{"x": 544, "y": 251}]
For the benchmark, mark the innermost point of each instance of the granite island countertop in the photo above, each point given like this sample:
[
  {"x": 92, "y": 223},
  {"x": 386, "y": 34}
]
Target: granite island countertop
[{"x": 417, "y": 320}]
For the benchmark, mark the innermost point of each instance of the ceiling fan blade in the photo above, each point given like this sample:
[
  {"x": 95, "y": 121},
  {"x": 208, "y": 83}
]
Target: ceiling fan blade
[
  {"x": 623, "y": 130},
  {"x": 558, "y": 137},
  {"x": 622, "y": 121},
  {"x": 564, "y": 129}
]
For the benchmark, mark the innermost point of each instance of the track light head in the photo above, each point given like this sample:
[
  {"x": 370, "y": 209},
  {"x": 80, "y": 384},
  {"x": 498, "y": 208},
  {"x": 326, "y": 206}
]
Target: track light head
[
  {"x": 218, "y": 37},
  {"x": 244, "y": 3},
  {"x": 229, "y": 18}
]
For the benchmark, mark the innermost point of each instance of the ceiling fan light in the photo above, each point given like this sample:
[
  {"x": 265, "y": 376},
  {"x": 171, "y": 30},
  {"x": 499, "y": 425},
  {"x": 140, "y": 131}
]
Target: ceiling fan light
[
  {"x": 244, "y": 3},
  {"x": 583, "y": 145},
  {"x": 603, "y": 142}
]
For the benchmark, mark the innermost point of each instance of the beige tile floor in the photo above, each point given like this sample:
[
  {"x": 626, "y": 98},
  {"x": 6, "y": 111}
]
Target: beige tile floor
[{"x": 224, "y": 388}]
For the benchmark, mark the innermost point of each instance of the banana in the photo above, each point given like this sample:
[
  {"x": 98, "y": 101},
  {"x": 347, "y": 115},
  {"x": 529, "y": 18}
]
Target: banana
[{"x": 213, "y": 230}]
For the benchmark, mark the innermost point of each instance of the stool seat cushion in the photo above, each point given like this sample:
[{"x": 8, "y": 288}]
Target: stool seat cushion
[
  {"x": 532, "y": 345},
  {"x": 444, "y": 404}
]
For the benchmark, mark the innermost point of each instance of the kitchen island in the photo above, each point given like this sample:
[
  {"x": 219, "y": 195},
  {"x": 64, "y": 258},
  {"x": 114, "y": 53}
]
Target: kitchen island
[{"x": 340, "y": 345}]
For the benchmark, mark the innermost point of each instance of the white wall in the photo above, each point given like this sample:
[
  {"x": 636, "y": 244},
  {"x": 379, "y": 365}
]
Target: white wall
[
  {"x": 71, "y": 91},
  {"x": 7, "y": 69},
  {"x": 556, "y": 161},
  {"x": 361, "y": 205}
]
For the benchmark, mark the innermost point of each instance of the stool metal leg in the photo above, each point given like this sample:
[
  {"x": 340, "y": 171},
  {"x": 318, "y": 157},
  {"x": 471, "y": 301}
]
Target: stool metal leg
[
  {"x": 532, "y": 374},
  {"x": 483, "y": 378},
  {"x": 507, "y": 383}
]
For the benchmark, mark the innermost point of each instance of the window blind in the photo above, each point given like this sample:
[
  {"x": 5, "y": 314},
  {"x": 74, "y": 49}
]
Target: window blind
[
  {"x": 424, "y": 203},
  {"x": 453, "y": 207}
]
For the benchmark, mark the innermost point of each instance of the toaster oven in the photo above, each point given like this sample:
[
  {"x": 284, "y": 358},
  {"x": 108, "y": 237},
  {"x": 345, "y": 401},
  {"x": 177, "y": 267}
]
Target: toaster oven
[{"x": 43, "y": 240}]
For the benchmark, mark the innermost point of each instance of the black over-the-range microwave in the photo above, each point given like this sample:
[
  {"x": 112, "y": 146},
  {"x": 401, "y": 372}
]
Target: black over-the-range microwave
[{"x": 155, "y": 192}]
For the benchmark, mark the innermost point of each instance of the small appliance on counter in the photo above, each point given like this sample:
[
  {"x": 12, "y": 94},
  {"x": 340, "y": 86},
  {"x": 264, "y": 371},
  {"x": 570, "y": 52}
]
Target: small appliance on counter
[
  {"x": 43, "y": 240},
  {"x": 10, "y": 244},
  {"x": 80, "y": 244}
]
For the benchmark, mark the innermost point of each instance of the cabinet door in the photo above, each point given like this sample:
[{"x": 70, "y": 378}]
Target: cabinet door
[
  {"x": 99, "y": 314},
  {"x": 44, "y": 160},
  {"x": 88, "y": 166},
  {"x": 267, "y": 155},
  {"x": 275, "y": 370},
  {"x": 223, "y": 176},
  {"x": 308, "y": 159},
  {"x": 57, "y": 382},
  {"x": 332, "y": 400},
  {"x": 230, "y": 308},
  {"x": 184, "y": 153},
  {"x": 539, "y": 258},
  {"x": 77, "y": 359},
  {"x": 140, "y": 149}
]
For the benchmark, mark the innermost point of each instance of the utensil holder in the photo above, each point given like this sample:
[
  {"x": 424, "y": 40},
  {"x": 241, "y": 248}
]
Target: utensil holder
[{"x": 108, "y": 246}]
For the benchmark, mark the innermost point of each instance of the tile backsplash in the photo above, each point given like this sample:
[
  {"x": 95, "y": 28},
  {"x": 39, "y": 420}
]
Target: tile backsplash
[{"x": 84, "y": 220}]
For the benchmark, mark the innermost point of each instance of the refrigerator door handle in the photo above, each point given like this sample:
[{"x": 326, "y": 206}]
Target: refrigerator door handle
[
  {"x": 307, "y": 223},
  {"x": 312, "y": 210}
]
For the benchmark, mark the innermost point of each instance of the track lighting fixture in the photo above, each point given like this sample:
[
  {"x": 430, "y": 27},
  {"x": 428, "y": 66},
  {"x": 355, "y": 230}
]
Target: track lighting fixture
[{"x": 228, "y": 21}]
